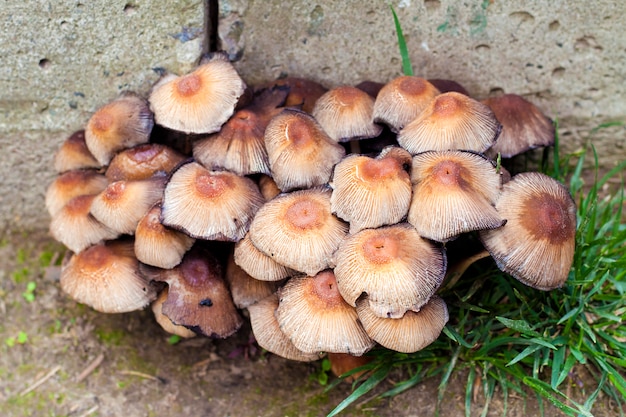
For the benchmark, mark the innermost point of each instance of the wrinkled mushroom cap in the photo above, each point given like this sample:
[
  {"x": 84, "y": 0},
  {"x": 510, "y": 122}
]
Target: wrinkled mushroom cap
[{"x": 257, "y": 264}]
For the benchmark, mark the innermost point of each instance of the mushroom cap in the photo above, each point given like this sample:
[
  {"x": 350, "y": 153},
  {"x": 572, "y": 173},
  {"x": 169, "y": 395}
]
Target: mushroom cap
[
  {"x": 76, "y": 228},
  {"x": 157, "y": 245},
  {"x": 524, "y": 126},
  {"x": 245, "y": 289},
  {"x": 301, "y": 154},
  {"x": 142, "y": 162},
  {"x": 345, "y": 113},
  {"x": 123, "y": 123},
  {"x": 401, "y": 100},
  {"x": 210, "y": 205},
  {"x": 397, "y": 269},
  {"x": 164, "y": 321},
  {"x": 451, "y": 121},
  {"x": 454, "y": 192},
  {"x": 370, "y": 192},
  {"x": 298, "y": 230},
  {"x": 257, "y": 264},
  {"x": 446, "y": 86},
  {"x": 73, "y": 154},
  {"x": 106, "y": 277},
  {"x": 198, "y": 296},
  {"x": 72, "y": 184},
  {"x": 315, "y": 317},
  {"x": 409, "y": 333},
  {"x": 537, "y": 243},
  {"x": 201, "y": 101},
  {"x": 303, "y": 93},
  {"x": 268, "y": 187},
  {"x": 267, "y": 331},
  {"x": 122, "y": 204}
]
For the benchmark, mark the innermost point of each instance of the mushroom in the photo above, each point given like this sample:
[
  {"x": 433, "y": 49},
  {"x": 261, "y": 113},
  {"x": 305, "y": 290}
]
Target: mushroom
[
  {"x": 106, "y": 277},
  {"x": 257, "y": 264},
  {"x": 123, "y": 123},
  {"x": 345, "y": 113},
  {"x": 303, "y": 93},
  {"x": 537, "y": 243},
  {"x": 446, "y": 86},
  {"x": 401, "y": 100},
  {"x": 73, "y": 154},
  {"x": 201, "y": 101},
  {"x": 397, "y": 269},
  {"x": 245, "y": 289},
  {"x": 164, "y": 321},
  {"x": 142, "y": 162},
  {"x": 315, "y": 317},
  {"x": 267, "y": 331},
  {"x": 210, "y": 205},
  {"x": 415, "y": 330},
  {"x": 73, "y": 184},
  {"x": 451, "y": 121},
  {"x": 301, "y": 154},
  {"x": 370, "y": 192},
  {"x": 453, "y": 192},
  {"x": 298, "y": 230}
]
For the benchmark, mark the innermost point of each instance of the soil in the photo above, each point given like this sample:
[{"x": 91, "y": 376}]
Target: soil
[{"x": 136, "y": 372}]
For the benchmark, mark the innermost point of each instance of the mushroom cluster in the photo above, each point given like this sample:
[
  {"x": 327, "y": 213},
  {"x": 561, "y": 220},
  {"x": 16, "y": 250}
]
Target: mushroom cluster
[{"x": 324, "y": 213}]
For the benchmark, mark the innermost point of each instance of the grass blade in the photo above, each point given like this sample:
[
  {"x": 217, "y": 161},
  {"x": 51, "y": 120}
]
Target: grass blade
[{"x": 407, "y": 69}]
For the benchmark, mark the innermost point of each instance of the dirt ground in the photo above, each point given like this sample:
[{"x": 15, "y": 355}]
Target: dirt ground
[{"x": 59, "y": 358}]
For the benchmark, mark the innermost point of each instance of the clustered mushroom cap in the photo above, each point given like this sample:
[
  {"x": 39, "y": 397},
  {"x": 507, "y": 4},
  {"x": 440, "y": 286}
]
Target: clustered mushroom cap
[
  {"x": 245, "y": 289},
  {"x": 74, "y": 154},
  {"x": 142, "y": 162},
  {"x": 72, "y": 184},
  {"x": 257, "y": 264},
  {"x": 164, "y": 321}
]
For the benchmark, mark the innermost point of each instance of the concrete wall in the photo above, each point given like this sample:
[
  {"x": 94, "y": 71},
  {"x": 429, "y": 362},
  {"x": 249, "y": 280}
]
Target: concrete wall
[{"x": 63, "y": 59}]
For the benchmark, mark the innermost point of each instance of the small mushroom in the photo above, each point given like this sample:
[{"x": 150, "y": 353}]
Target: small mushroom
[
  {"x": 537, "y": 243},
  {"x": 257, "y": 264},
  {"x": 73, "y": 154},
  {"x": 164, "y": 321},
  {"x": 201, "y": 101},
  {"x": 446, "y": 86},
  {"x": 245, "y": 289},
  {"x": 303, "y": 93},
  {"x": 315, "y": 317},
  {"x": 73, "y": 184},
  {"x": 142, "y": 162}
]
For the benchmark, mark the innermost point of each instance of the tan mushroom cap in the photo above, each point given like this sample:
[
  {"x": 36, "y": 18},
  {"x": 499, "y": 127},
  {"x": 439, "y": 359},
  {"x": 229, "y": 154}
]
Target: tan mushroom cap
[
  {"x": 76, "y": 228},
  {"x": 142, "y": 162},
  {"x": 537, "y": 243},
  {"x": 345, "y": 113},
  {"x": 201, "y": 101},
  {"x": 402, "y": 99},
  {"x": 157, "y": 245},
  {"x": 164, "y": 321},
  {"x": 524, "y": 126},
  {"x": 106, "y": 277},
  {"x": 301, "y": 154},
  {"x": 454, "y": 192},
  {"x": 73, "y": 154},
  {"x": 122, "y": 204},
  {"x": 267, "y": 331},
  {"x": 257, "y": 264},
  {"x": 451, "y": 121},
  {"x": 268, "y": 187},
  {"x": 198, "y": 296},
  {"x": 396, "y": 268},
  {"x": 370, "y": 192},
  {"x": 210, "y": 205},
  {"x": 298, "y": 230},
  {"x": 123, "y": 123},
  {"x": 73, "y": 184},
  {"x": 410, "y": 333},
  {"x": 245, "y": 289},
  {"x": 315, "y": 317}
]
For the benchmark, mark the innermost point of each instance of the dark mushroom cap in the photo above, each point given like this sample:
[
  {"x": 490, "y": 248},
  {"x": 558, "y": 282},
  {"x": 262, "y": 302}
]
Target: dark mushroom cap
[
  {"x": 536, "y": 245},
  {"x": 142, "y": 162},
  {"x": 164, "y": 321}
]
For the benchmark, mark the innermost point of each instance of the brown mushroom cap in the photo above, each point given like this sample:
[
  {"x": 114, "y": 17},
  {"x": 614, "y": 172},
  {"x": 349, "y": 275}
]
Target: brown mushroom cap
[
  {"x": 198, "y": 297},
  {"x": 76, "y": 228},
  {"x": 73, "y": 154},
  {"x": 199, "y": 102},
  {"x": 369, "y": 192},
  {"x": 257, "y": 264},
  {"x": 123, "y": 123},
  {"x": 396, "y": 268},
  {"x": 402, "y": 99},
  {"x": 142, "y": 162},
  {"x": 410, "y": 333},
  {"x": 164, "y": 321},
  {"x": 157, "y": 245},
  {"x": 315, "y": 317},
  {"x": 267, "y": 331},
  {"x": 524, "y": 126},
  {"x": 345, "y": 113},
  {"x": 301, "y": 154},
  {"x": 446, "y": 86},
  {"x": 106, "y": 277},
  {"x": 298, "y": 230},
  {"x": 451, "y": 121},
  {"x": 245, "y": 289},
  {"x": 211, "y": 205},
  {"x": 303, "y": 93},
  {"x": 536, "y": 245},
  {"x": 73, "y": 184},
  {"x": 268, "y": 187},
  {"x": 454, "y": 192}
]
